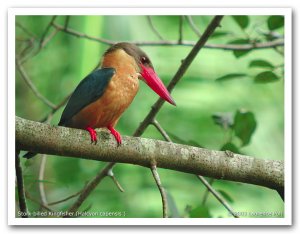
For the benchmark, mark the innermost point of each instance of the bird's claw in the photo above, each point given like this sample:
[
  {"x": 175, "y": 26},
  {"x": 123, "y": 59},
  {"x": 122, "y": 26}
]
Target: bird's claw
[
  {"x": 94, "y": 140},
  {"x": 116, "y": 134},
  {"x": 93, "y": 135}
]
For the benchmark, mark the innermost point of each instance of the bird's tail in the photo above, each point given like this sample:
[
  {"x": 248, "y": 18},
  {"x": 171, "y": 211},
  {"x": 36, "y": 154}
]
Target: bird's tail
[{"x": 29, "y": 155}]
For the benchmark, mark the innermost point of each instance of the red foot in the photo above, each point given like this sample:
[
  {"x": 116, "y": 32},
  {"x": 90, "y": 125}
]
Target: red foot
[
  {"x": 116, "y": 134},
  {"x": 93, "y": 134}
]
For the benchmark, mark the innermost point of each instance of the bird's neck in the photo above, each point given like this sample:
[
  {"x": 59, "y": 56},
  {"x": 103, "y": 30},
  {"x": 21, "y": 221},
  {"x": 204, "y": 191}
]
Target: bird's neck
[{"x": 120, "y": 61}]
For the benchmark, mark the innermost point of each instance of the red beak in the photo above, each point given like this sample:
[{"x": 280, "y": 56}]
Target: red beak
[{"x": 153, "y": 81}]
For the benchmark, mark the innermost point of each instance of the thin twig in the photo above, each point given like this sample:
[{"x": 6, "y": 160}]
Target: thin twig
[
  {"x": 192, "y": 25},
  {"x": 48, "y": 27},
  {"x": 90, "y": 187},
  {"x": 41, "y": 178},
  {"x": 205, "y": 196},
  {"x": 65, "y": 199},
  {"x": 180, "y": 37},
  {"x": 153, "y": 28},
  {"x": 43, "y": 41},
  {"x": 110, "y": 173},
  {"x": 161, "y": 190},
  {"x": 67, "y": 21},
  {"x": 30, "y": 34},
  {"x": 47, "y": 40},
  {"x": 218, "y": 196},
  {"x": 28, "y": 196},
  {"x": 30, "y": 41},
  {"x": 56, "y": 108},
  {"x": 32, "y": 86},
  {"x": 20, "y": 186},
  {"x": 82, "y": 35},
  {"x": 261, "y": 45},
  {"x": 161, "y": 130},
  {"x": 27, "y": 49}
]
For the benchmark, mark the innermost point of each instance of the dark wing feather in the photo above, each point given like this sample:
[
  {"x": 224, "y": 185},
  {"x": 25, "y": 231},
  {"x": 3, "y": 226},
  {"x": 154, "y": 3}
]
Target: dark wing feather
[{"x": 89, "y": 90}]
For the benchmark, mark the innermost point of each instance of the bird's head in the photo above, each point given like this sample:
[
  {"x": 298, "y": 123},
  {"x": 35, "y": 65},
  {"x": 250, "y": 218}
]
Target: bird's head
[{"x": 145, "y": 67}]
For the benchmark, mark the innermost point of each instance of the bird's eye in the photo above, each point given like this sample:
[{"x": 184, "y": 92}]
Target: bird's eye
[{"x": 144, "y": 60}]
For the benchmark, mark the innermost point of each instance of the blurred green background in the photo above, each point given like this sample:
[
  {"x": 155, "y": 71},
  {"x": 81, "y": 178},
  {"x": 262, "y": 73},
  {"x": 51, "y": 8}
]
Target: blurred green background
[{"x": 58, "y": 67}]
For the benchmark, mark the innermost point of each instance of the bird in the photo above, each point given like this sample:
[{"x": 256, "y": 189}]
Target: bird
[{"x": 101, "y": 97}]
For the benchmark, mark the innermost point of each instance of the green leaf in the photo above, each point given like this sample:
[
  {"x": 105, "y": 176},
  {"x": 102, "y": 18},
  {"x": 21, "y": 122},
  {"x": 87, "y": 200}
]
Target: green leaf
[
  {"x": 239, "y": 53},
  {"x": 275, "y": 21},
  {"x": 226, "y": 196},
  {"x": 260, "y": 63},
  {"x": 231, "y": 147},
  {"x": 225, "y": 119},
  {"x": 200, "y": 212},
  {"x": 28, "y": 163},
  {"x": 219, "y": 34},
  {"x": 231, "y": 76},
  {"x": 266, "y": 77},
  {"x": 241, "y": 20},
  {"x": 240, "y": 41},
  {"x": 244, "y": 126}
]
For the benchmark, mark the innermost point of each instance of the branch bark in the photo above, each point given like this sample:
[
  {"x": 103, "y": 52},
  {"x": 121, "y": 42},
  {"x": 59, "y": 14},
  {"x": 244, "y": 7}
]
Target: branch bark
[{"x": 43, "y": 138}]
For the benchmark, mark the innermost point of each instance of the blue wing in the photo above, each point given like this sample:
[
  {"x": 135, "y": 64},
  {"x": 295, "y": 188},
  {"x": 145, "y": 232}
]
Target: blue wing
[{"x": 89, "y": 90}]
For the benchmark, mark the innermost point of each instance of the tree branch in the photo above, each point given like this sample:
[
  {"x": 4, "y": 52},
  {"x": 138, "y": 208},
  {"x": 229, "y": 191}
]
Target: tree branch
[
  {"x": 65, "y": 199},
  {"x": 153, "y": 28},
  {"x": 43, "y": 138},
  {"x": 161, "y": 190},
  {"x": 110, "y": 173},
  {"x": 217, "y": 195},
  {"x": 28, "y": 196},
  {"x": 260, "y": 45},
  {"x": 180, "y": 33},
  {"x": 205, "y": 196},
  {"x": 41, "y": 178},
  {"x": 192, "y": 25},
  {"x": 46, "y": 31}
]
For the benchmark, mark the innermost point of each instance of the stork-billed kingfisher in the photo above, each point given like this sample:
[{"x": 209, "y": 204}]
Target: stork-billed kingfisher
[{"x": 101, "y": 97}]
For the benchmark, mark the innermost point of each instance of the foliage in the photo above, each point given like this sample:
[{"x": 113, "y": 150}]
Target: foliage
[{"x": 242, "y": 111}]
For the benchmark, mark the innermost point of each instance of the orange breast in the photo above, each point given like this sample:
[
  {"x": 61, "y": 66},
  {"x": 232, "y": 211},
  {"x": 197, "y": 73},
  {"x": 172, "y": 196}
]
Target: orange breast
[{"x": 118, "y": 95}]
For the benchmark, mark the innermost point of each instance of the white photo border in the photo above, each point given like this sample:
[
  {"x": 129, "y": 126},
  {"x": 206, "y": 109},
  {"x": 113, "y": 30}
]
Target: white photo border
[{"x": 287, "y": 12}]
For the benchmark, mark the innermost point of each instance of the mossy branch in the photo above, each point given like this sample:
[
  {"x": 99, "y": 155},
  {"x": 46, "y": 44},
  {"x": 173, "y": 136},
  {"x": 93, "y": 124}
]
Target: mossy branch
[{"x": 43, "y": 138}]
